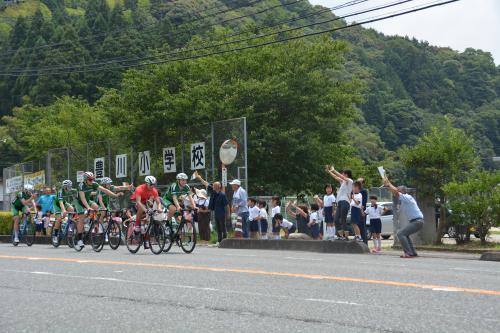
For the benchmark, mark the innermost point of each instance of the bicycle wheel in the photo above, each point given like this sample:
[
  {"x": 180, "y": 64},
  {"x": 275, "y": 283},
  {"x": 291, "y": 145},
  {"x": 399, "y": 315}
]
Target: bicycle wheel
[
  {"x": 96, "y": 236},
  {"x": 168, "y": 238},
  {"x": 133, "y": 239},
  {"x": 114, "y": 235},
  {"x": 187, "y": 237},
  {"x": 29, "y": 233},
  {"x": 156, "y": 238},
  {"x": 70, "y": 231},
  {"x": 12, "y": 238}
]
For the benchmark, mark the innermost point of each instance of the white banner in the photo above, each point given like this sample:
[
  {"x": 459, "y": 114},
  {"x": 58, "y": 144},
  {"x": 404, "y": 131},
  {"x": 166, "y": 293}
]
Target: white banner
[
  {"x": 144, "y": 163},
  {"x": 169, "y": 160},
  {"x": 99, "y": 167},
  {"x": 37, "y": 179},
  {"x": 224, "y": 177},
  {"x": 13, "y": 184},
  {"x": 79, "y": 176},
  {"x": 198, "y": 156},
  {"x": 121, "y": 166}
]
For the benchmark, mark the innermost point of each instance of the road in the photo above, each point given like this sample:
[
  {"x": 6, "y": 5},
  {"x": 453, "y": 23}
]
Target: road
[{"x": 221, "y": 290}]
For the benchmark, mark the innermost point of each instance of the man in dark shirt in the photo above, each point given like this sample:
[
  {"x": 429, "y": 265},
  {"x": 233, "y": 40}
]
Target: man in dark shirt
[{"x": 364, "y": 201}]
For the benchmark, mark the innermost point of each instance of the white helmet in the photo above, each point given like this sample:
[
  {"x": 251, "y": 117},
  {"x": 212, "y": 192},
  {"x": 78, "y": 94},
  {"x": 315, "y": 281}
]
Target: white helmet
[
  {"x": 151, "y": 180},
  {"x": 106, "y": 181},
  {"x": 67, "y": 183},
  {"x": 88, "y": 176},
  {"x": 181, "y": 176},
  {"x": 28, "y": 187}
]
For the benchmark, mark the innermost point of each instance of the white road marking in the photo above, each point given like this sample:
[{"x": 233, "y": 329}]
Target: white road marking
[
  {"x": 239, "y": 255},
  {"x": 41, "y": 273},
  {"x": 445, "y": 289},
  {"x": 308, "y": 259},
  {"x": 34, "y": 258},
  {"x": 331, "y": 301},
  {"x": 82, "y": 261},
  {"x": 118, "y": 271}
]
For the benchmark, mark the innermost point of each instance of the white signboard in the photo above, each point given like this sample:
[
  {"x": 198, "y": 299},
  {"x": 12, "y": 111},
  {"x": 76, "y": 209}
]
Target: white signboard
[
  {"x": 224, "y": 177},
  {"x": 13, "y": 184},
  {"x": 169, "y": 160},
  {"x": 144, "y": 163},
  {"x": 99, "y": 167},
  {"x": 198, "y": 156},
  {"x": 79, "y": 176},
  {"x": 121, "y": 166}
]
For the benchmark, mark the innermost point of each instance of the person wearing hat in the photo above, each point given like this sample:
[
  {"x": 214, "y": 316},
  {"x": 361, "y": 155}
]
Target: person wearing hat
[
  {"x": 409, "y": 207},
  {"x": 240, "y": 205},
  {"x": 203, "y": 214}
]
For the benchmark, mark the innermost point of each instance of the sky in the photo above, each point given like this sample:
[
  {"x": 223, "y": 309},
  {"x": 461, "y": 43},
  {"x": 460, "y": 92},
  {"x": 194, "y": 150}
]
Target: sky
[{"x": 459, "y": 25}]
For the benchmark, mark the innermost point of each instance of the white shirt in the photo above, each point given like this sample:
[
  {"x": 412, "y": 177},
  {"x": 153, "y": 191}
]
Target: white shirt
[
  {"x": 203, "y": 202},
  {"x": 276, "y": 210},
  {"x": 374, "y": 213},
  {"x": 240, "y": 198},
  {"x": 358, "y": 197},
  {"x": 263, "y": 213},
  {"x": 328, "y": 200},
  {"x": 313, "y": 218},
  {"x": 286, "y": 224},
  {"x": 344, "y": 192},
  {"x": 321, "y": 215},
  {"x": 253, "y": 213}
]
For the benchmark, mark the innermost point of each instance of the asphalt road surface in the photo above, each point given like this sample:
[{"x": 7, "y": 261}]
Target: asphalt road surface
[{"x": 43, "y": 289}]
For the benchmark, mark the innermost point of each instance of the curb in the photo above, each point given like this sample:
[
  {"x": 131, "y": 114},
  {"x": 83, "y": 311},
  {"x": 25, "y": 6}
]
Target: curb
[
  {"x": 490, "y": 256},
  {"x": 439, "y": 249},
  {"x": 38, "y": 240},
  {"x": 337, "y": 246}
]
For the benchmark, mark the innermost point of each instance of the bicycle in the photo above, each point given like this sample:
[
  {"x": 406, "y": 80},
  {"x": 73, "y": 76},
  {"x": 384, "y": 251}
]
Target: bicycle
[
  {"x": 92, "y": 232},
  {"x": 109, "y": 229},
  {"x": 154, "y": 234},
  {"x": 66, "y": 232},
  {"x": 184, "y": 234},
  {"x": 26, "y": 230}
]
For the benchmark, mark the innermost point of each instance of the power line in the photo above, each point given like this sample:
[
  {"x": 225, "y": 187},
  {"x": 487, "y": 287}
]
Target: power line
[
  {"x": 93, "y": 65},
  {"x": 279, "y": 40}
]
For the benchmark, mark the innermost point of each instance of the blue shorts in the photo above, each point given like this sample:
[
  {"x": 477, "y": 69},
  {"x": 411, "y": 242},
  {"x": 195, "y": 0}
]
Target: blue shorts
[
  {"x": 375, "y": 226},
  {"x": 263, "y": 226},
  {"x": 254, "y": 226},
  {"x": 314, "y": 230},
  {"x": 276, "y": 228},
  {"x": 328, "y": 214},
  {"x": 356, "y": 217}
]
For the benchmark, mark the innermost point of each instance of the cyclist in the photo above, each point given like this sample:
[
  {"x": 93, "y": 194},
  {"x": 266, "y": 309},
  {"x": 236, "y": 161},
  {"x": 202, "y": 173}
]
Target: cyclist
[
  {"x": 172, "y": 198},
  {"x": 142, "y": 194},
  {"x": 104, "y": 200},
  {"x": 21, "y": 204},
  {"x": 63, "y": 204},
  {"x": 86, "y": 190}
]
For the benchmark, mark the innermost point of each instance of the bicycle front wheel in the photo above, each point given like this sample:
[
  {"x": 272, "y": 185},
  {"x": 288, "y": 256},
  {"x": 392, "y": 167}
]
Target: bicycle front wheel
[
  {"x": 133, "y": 239},
  {"x": 156, "y": 238},
  {"x": 70, "y": 231},
  {"x": 29, "y": 233},
  {"x": 96, "y": 236},
  {"x": 114, "y": 235},
  {"x": 168, "y": 238},
  {"x": 187, "y": 237}
]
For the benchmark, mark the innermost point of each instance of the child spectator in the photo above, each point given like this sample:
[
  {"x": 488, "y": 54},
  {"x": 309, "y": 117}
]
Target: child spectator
[
  {"x": 253, "y": 218},
  {"x": 301, "y": 214},
  {"x": 313, "y": 221},
  {"x": 343, "y": 199},
  {"x": 286, "y": 225},
  {"x": 276, "y": 209},
  {"x": 356, "y": 210},
  {"x": 374, "y": 212},
  {"x": 321, "y": 217},
  {"x": 263, "y": 219},
  {"x": 39, "y": 227},
  {"x": 328, "y": 204}
]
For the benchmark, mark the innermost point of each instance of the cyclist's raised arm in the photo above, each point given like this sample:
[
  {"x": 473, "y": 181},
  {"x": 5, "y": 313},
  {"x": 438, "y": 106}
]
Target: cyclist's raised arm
[{"x": 108, "y": 192}]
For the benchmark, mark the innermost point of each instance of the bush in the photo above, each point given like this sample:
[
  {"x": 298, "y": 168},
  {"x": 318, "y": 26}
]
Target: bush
[{"x": 5, "y": 223}]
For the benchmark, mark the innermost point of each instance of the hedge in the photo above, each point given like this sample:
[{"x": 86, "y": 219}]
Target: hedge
[{"x": 5, "y": 223}]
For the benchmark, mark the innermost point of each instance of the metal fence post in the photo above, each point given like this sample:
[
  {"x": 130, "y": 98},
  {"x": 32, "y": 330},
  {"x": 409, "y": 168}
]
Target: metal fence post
[
  {"x": 182, "y": 151},
  {"x": 212, "y": 134},
  {"x": 245, "y": 153}
]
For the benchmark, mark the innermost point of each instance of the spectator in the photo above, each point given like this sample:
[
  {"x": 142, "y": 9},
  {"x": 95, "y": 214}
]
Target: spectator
[
  {"x": 253, "y": 218},
  {"x": 321, "y": 216},
  {"x": 364, "y": 194},
  {"x": 284, "y": 224},
  {"x": 202, "y": 203},
  {"x": 301, "y": 214},
  {"x": 328, "y": 204},
  {"x": 374, "y": 212},
  {"x": 240, "y": 206},
  {"x": 276, "y": 209},
  {"x": 313, "y": 221},
  {"x": 263, "y": 219},
  {"x": 219, "y": 204},
  {"x": 46, "y": 200},
  {"x": 39, "y": 226},
  {"x": 408, "y": 206},
  {"x": 356, "y": 212},
  {"x": 343, "y": 199}
]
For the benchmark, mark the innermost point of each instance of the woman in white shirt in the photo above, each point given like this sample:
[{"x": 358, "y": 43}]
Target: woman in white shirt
[{"x": 343, "y": 199}]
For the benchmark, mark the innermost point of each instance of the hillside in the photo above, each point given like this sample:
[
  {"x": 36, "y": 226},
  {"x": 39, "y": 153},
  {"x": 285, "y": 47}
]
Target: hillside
[{"x": 407, "y": 85}]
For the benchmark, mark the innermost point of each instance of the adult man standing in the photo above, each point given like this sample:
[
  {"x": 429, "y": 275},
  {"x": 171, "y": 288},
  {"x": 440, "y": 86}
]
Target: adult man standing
[
  {"x": 46, "y": 201},
  {"x": 240, "y": 205},
  {"x": 408, "y": 206}
]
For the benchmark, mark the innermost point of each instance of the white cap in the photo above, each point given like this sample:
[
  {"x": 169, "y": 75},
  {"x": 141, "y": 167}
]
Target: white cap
[{"x": 235, "y": 182}]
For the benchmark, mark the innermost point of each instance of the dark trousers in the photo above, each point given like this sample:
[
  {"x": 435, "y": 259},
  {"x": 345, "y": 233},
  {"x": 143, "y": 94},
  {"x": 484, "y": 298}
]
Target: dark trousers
[
  {"x": 220, "y": 225},
  {"x": 362, "y": 229},
  {"x": 204, "y": 226},
  {"x": 341, "y": 215},
  {"x": 245, "y": 224}
]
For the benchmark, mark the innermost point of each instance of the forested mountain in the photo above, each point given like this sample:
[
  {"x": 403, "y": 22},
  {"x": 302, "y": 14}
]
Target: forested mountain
[{"x": 399, "y": 86}]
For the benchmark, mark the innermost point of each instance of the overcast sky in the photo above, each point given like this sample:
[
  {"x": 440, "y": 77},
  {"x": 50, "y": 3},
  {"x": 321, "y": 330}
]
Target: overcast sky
[{"x": 466, "y": 23}]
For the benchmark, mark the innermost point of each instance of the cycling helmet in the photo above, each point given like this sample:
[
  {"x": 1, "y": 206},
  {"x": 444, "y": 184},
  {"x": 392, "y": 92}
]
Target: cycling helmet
[
  {"x": 182, "y": 176},
  {"x": 28, "y": 187},
  {"x": 88, "y": 176},
  {"x": 67, "y": 183},
  {"x": 106, "y": 181},
  {"x": 151, "y": 180}
]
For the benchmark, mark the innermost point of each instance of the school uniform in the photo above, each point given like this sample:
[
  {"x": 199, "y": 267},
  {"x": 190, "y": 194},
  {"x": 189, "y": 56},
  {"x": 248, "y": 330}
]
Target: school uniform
[
  {"x": 285, "y": 224},
  {"x": 374, "y": 213},
  {"x": 274, "y": 211},
  {"x": 253, "y": 218},
  {"x": 328, "y": 202},
  {"x": 263, "y": 221},
  {"x": 356, "y": 217},
  {"x": 314, "y": 228}
]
